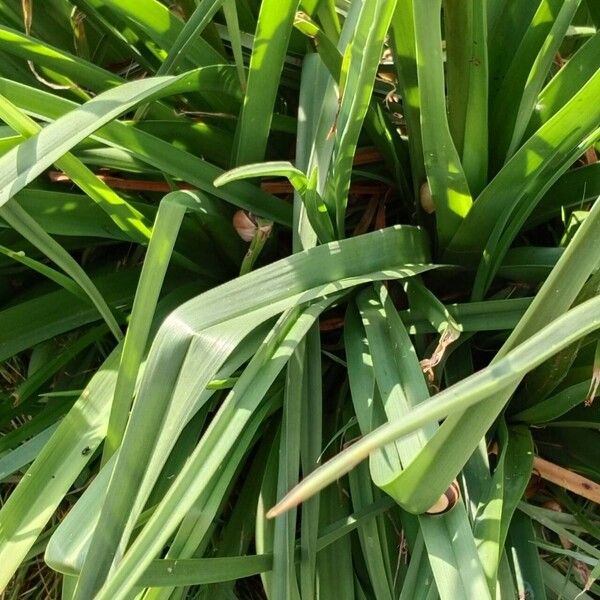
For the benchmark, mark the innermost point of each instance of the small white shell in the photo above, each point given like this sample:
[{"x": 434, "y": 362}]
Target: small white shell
[
  {"x": 426, "y": 199},
  {"x": 244, "y": 225},
  {"x": 447, "y": 501}
]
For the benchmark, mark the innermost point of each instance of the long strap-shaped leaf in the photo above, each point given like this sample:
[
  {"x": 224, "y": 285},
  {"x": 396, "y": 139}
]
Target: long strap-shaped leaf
[
  {"x": 422, "y": 482},
  {"x": 49, "y": 478},
  {"x": 301, "y": 426},
  {"x": 20, "y": 221},
  {"x": 356, "y": 86},
  {"x": 118, "y": 35},
  {"x": 472, "y": 391},
  {"x": 273, "y": 30},
  {"x": 467, "y": 66},
  {"x": 91, "y": 76},
  {"x": 402, "y": 38},
  {"x": 539, "y": 72},
  {"x": 194, "y": 534},
  {"x": 523, "y": 74},
  {"x": 449, "y": 188},
  {"x": 127, "y": 218},
  {"x": 531, "y": 170},
  {"x": 68, "y": 547},
  {"x": 85, "y": 426},
  {"x": 168, "y": 220},
  {"x": 508, "y": 227},
  {"x": 503, "y": 493},
  {"x": 191, "y": 31},
  {"x": 165, "y": 573},
  {"x": 45, "y": 270},
  {"x": 401, "y": 384},
  {"x": 82, "y": 72},
  {"x": 461, "y": 432},
  {"x": 566, "y": 83},
  {"x": 214, "y": 446},
  {"x": 123, "y": 214},
  {"x": 155, "y": 21},
  {"x": 157, "y": 152},
  {"x": 235, "y": 308},
  {"x": 21, "y": 165}
]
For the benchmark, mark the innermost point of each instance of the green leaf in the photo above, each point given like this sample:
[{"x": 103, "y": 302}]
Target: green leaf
[
  {"x": 560, "y": 584},
  {"x": 516, "y": 99},
  {"x": 529, "y": 173},
  {"x": 25, "y": 453},
  {"x": 158, "y": 153},
  {"x": 49, "y": 272},
  {"x": 445, "y": 175},
  {"x": 362, "y": 56},
  {"x": 465, "y": 26},
  {"x": 568, "y": 192},
  {"x": 524, "y": 558},
  {"x": 266, "y": 169},
  {"x": 373, "y": 543},
  {"x": 153, "y": 20},
  {"x": 182, "y": 47},
  {"x": 122, "y": 213},
  {"x": 224, "y": 325},
  {"x": 310, "y": 454},
  {"x": 189, "y": 36},
  {"x": 84, "y": 73},
  {"x": 166, "y": 226},
  {"x": 539, "y": 70},
  {"x": 205, "y": 570},
  {"x": 511, "y": 476},
  {"x": 231, "y": 18},
  {"x": 284, "y": 582},
  {"x": 401, "y": 385},
  {"x": 470, "y": 391},
  {"x": 49, "y": 478},
  {"x": 566, "y": 83},
  {"x": 402, "y": 38},
  {"x": 244, "y": 399},
  {"x": 19, "y": 220},
  {"x": 273, "y": 29},
  {"x": 562, "y": 286}
]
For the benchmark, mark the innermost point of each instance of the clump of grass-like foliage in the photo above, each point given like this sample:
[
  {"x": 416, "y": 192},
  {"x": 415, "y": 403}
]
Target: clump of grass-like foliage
[{"x": 299, "y": 299}]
